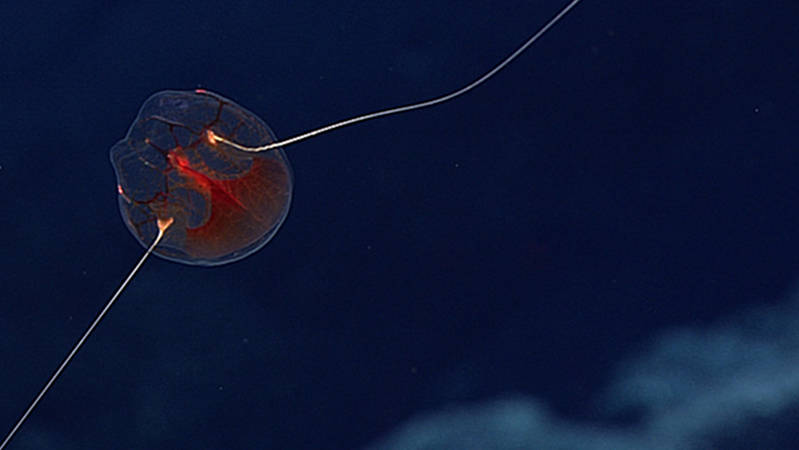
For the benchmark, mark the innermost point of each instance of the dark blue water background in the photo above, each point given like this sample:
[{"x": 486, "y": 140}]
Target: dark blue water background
[{"x": 635, "y": 170}]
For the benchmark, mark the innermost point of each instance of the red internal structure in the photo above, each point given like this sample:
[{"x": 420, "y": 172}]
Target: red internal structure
[{"x": 226, "y": 204}]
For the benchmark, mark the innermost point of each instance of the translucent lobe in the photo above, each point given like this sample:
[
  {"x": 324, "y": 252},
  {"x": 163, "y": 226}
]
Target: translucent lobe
[{"x": 226, "y": 204}]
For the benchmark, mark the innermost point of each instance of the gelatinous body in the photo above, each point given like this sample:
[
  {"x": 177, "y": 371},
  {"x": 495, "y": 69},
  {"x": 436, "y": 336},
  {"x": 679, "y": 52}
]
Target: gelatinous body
[{"x": 226, "y": 204}]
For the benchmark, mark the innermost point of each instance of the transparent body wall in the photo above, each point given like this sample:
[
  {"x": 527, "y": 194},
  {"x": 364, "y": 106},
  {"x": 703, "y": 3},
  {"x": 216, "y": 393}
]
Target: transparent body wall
[{"x": 226, "y": 203}]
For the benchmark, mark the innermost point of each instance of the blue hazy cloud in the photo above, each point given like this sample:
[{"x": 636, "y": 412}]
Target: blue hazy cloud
[{"x": 691, "y": 387}]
